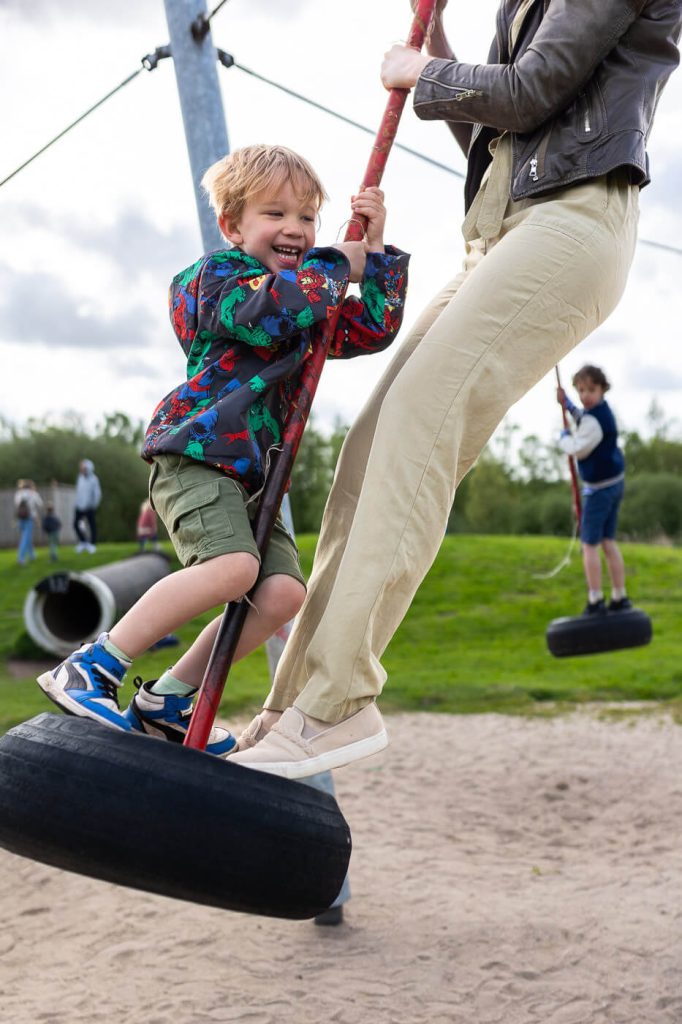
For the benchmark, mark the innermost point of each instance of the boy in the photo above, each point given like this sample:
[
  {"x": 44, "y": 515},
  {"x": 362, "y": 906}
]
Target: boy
[
  {"x": 52, "y": 524},
  {"x": 244, "y": 317},
  {"x": 602, "y": 469}
]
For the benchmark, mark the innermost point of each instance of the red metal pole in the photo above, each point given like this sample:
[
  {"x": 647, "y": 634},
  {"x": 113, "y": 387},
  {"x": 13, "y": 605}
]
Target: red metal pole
[
  {"x": 575, "y": 488},
  {"x": 225, "y": 645}
]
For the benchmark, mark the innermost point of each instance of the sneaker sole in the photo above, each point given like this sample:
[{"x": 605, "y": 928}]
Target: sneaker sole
[
  {"x": 323, "y": 762},
  {"x": 72, "y": 707}
]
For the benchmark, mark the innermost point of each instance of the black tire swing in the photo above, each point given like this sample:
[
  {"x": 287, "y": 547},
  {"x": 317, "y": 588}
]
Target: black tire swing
[
  {"x": 172, "y": 819},
  {"x": 597, "y": 634},
  {"x": 167, "y": 819},
  {"x": 575, "y": 635}
]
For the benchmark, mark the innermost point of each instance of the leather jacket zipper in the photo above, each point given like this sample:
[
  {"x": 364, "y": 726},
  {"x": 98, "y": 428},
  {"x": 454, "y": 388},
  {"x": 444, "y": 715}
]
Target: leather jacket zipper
[
  {"x": 461, "y": 93},
  {"x": 587, "y": 118},
  {"x": 537, "y": 161}
]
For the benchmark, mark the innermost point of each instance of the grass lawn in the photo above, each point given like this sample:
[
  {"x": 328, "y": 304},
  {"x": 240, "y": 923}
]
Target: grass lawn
[{"x": 474, "y": 639}]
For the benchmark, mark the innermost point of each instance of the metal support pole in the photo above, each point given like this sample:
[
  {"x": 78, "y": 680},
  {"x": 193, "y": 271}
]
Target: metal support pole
[{"x": 201, "y": 103}]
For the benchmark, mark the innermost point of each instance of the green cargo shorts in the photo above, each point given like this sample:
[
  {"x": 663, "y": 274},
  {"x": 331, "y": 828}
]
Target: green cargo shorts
[{"x": 206, "y": 515}]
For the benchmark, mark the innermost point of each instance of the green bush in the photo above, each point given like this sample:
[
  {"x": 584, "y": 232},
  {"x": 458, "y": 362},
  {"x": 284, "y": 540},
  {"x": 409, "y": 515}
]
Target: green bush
[
  {"x": 556, "y": 512},
  {"x": 54, "y": 453},
  {"x": 652, "y": 507}
]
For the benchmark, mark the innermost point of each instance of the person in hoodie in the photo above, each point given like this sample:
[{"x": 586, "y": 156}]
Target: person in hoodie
[
  {"x": 244, "y": 317},
  {"x": 601, "y": 466},
  {"x": 88, "y": 498}
]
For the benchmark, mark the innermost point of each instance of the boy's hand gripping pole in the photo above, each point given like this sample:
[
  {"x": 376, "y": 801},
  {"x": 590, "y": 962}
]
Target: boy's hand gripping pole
[
  {"x": 230, "y": 629},
  {"x": 575, "y": 489}
]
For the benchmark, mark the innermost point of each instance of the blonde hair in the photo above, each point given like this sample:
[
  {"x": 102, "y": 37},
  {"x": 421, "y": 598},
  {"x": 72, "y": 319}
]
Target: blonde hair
[{"x": 237, "y": 177}]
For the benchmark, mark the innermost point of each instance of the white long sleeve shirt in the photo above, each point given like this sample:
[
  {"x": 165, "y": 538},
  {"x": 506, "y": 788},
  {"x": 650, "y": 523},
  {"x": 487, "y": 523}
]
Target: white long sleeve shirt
[{"x": 586, "y": 438}]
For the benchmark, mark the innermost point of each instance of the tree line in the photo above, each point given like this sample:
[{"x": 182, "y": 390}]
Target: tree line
[
  {"x": 51, "y": 451},
  {"x": 515, "y": 488},
  {"x": 529, "y": 491}
]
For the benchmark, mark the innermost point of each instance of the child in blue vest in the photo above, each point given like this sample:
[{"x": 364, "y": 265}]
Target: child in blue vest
[{"x": 602, "y": 470}]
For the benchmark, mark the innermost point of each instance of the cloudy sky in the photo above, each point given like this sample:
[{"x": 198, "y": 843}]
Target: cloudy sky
[{"x": 94, "y": 229}]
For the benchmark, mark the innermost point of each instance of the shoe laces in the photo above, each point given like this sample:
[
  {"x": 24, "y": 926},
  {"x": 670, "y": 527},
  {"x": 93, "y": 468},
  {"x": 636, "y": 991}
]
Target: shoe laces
[
  {"x": 107, "y": 685},
  {"x": 138, "y": 682}
]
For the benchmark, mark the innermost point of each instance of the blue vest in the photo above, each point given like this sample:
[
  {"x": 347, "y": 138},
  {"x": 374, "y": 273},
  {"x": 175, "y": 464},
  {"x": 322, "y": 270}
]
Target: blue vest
[{"x": 606, "y": 461}]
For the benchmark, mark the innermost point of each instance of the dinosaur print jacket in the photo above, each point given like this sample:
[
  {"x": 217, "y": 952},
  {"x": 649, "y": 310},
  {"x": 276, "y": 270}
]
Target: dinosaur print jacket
[{"x": 246, "y": 333}]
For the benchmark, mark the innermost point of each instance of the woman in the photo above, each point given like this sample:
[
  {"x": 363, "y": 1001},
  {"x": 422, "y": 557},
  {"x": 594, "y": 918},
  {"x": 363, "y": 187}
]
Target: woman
[
  {"x": 555, "y": 129},
  {"x": 27, "y": 505}
]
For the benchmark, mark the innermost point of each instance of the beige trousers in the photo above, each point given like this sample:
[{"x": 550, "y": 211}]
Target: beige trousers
[{"x": 539, "y": 276}]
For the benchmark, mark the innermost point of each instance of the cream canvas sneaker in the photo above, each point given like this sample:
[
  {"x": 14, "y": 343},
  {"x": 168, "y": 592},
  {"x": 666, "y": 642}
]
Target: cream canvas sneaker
[
  {"x": 284, "y": 750},
  {"x": 255, "y": 731}
]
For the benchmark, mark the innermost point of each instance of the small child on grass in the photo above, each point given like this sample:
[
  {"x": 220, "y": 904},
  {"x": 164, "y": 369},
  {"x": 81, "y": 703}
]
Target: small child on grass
[
  {"x": 52, "y": 524},
  {"x": 146, "y": 529},
  {"x": 602, "y": 470},
  {"x": 244, "y": 317}
]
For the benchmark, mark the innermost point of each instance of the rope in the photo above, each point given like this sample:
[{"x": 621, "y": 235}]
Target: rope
[
  {"x": 564, "y": 561},
  {"x": 575, "y": 488},
  {"x": 228, "y": 61},
  {"x": 661, "y": 245},
  {"x": 216, "y": 9},
  {"x": 148, "y": 64},
  {"x": 576, "y": 505},
  {"x": 70, "y": 126},
  {"x": 201, "y": 24}
]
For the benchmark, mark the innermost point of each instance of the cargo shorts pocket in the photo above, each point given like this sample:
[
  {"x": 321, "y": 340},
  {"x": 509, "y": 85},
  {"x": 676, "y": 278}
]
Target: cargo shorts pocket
[
  {"x": 197, "y": 519},
  {"x": 153, "y": 473}
]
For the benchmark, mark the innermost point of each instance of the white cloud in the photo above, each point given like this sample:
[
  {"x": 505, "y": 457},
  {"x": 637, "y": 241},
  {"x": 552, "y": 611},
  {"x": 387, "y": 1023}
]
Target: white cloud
[{"x": 102, "y": 220}]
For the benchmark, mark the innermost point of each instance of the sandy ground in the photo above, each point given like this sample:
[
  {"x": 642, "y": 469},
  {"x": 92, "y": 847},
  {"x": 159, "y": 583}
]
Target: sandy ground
[{"x": 504, "y": 870}]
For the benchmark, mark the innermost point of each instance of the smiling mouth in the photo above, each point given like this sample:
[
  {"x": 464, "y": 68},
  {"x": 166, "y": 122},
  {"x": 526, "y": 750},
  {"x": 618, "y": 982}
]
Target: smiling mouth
[{"x": 289, "y": 253}]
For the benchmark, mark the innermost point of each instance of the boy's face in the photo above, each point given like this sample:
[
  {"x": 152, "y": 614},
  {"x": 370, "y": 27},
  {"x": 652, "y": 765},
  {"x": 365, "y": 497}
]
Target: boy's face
[
  {"x": 275, "y": 227},
  {"x": 589, "y": 392}
]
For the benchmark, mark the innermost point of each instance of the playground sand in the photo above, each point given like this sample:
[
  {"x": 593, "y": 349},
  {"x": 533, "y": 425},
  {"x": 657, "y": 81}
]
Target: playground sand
[{"x": 505, "y": 871}]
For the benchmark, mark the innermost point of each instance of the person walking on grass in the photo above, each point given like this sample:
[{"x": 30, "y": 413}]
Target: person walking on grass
[
  {"x": 146, "y": 528},
  {"x": 554, "y": 128},
  {"x": 27, "y": 506},
  {"x": 244, "y": 317},
  {"x": 52, "y": 524},
  {"x": 601, "y": 466},
  {"x": 88, "y": 498}
]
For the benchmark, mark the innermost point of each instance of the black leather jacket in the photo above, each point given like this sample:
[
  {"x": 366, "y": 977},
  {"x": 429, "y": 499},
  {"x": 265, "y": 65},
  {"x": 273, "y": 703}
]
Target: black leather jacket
[{"x": 577, "y": 93}]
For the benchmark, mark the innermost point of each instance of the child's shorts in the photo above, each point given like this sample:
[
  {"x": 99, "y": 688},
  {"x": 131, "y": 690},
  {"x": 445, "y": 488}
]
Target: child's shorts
[
  {"x": 206, "y": 515},
  {"x": 600, "y": 513}
]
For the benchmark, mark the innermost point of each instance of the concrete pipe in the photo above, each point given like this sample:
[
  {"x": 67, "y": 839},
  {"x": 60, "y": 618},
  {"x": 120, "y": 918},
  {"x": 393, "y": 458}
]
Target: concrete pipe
[{"x": 69, "y": 608}]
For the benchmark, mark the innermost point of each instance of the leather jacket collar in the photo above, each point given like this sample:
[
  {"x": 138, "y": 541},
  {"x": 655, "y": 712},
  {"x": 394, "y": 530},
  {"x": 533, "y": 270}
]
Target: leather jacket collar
[{"x": 578, "y": 92}]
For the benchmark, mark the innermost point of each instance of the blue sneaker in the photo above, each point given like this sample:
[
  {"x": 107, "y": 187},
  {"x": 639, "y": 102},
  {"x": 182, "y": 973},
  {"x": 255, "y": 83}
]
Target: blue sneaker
[
  {"x": 167, "y": 716},
  {"x": 86, "y": 684}
]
